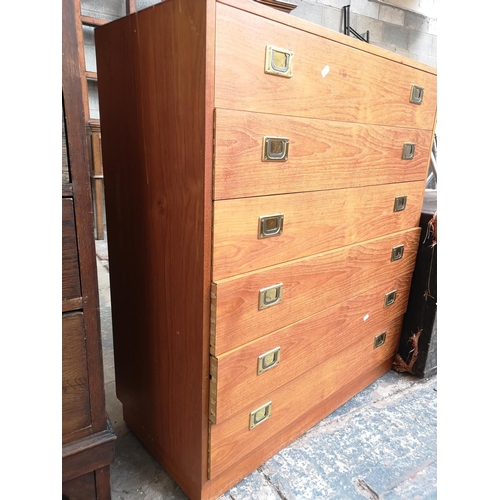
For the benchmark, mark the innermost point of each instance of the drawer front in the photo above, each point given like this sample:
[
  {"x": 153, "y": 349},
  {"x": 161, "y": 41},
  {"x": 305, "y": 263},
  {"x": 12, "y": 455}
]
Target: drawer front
[
  {"x": 70, "y": 269},
  {"x": 245, "y": 374},
  {"x": 321, "y": 154},
  {"x": 308, "y": 286},
  {"x": 75, "y": 388},
  {"x": 312, "y": 222},
  {"x": 233, "y": 439},
  {"x": 329, "y": 80}
]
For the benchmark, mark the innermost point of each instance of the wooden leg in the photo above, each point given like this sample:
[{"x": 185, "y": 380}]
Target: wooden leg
[{"x": 103, "y": 483}]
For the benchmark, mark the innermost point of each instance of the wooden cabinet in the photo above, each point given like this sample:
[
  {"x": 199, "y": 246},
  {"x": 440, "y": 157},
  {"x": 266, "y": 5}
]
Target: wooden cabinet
[
  {"x": 264, "y": 182},
  {"x": 87, "y": 437}
]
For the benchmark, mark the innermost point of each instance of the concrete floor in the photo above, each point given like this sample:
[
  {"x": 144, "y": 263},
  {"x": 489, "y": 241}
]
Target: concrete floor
[{"x": 382, "y": 444}]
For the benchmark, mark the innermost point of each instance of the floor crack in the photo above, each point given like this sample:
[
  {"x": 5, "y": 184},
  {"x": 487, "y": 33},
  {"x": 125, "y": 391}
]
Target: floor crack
[
  {"x": 365, "y": 489},
  {"x": 271, "y": 484}
]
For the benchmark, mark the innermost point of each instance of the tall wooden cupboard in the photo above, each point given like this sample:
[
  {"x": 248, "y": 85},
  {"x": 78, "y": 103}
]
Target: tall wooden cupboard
[
  {"x": 264, "y": 181},
  {"x": 87, "y": 436}
]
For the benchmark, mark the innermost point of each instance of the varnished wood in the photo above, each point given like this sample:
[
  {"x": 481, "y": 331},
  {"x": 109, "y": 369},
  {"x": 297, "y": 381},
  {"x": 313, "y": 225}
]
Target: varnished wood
[
  {"x": 304, "y": 345},
  {"x": 75, "y": 383},
  {"x": 130, "y": 6},
  {"x": 310, "y": 285},
  {"x": 103, "y": 483},
  {"x": 92, "y": 21},
  {"x": 80, "y": 488},
  {"x": 315, "y": 29},
  {"x": 158, "y": 201},
  {"x": 73, "y": 95},
  {"x": 232, "y": 440},
  {"x": 67, "y": 190},
  {"x": 87, "y": 454},
  {"x": 157, "y": 98},
  {"x": 314, "y": 222},
  {"x": 87, "y": 439},
  {"x": 95, "y": 153},
  {"x": 71, "y": 291},
  {"x": 72, "y": 304},
  {"x": 366, "y": 90},
  {"x": 322, "y": 155},
  {"x": 218, "y": 485},
  {"x": 65, "y": 165},
  {"x": 285, "y": 6}
]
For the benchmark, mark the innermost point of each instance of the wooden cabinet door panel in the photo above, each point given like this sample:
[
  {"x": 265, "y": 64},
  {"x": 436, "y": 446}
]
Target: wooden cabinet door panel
[{"x": 75, "y": 386}]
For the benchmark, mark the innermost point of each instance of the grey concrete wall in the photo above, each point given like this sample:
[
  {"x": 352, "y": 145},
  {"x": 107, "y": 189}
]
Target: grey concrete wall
[
  {"x": 396, "y": 29},
  {"x": 401, "y": 30}
]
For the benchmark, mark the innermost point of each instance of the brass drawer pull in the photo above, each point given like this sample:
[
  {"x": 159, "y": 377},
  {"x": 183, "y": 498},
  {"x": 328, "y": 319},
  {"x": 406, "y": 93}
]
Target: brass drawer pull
[
  {"x": 278, "y": 61},
  {"x": 417, "y": 94},
  {"x": 408, "y": 151},
  {"x": 270, "y": 296},
  {"x": 268, "y": 360},
  {"x": 390, "y": 298},
  {"x": 379, "y": 340},
  {"x": 270, "y": 225},
  {"x": 260, "y": 415},
  {"x": 397, "y": 253},
  {"x": 400, "y": 203},
  {"x": 275, "y": 148}
]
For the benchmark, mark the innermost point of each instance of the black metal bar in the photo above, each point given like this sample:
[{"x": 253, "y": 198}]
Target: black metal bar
[
  {"x": 347, "y": 19},
  {"x": 347, "y": 25}
]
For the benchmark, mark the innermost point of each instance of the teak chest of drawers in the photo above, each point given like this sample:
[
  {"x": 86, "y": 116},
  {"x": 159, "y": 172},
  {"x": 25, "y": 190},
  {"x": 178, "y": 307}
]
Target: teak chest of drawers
[{"x": 264, "y": 181}]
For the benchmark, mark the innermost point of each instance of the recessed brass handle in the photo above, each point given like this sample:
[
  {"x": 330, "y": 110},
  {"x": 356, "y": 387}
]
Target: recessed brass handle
[
  {"x": 417, "y": 94},
  {"x": 397, "y": 253},
  {"x": 268, "y": 360},
  {"x": 278, "y": 61},
  {"x": 390, "y": 298},
  {"x": 275, "y": 148},
  {"x": 270, "y": 296},
  {"x": 399, "y": 203},
  {"x": 271, "y": 225},
  {"x": 408, "y": 151},
  {"x": 379, "y": 340},
  {"x": 260, "y": 415}
]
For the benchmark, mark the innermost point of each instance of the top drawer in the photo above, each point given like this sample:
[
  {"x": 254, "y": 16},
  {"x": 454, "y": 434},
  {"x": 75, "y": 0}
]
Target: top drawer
[{"x": 329, "y": 80}]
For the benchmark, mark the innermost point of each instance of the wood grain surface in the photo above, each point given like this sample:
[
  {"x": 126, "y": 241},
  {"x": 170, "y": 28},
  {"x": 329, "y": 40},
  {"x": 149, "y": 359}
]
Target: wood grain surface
[
  {"x": 75, "y": 384},
  {"x": 357, "y": 88},
  {"x": 314, "y": 222},
  {"x": 323, "y": 154},
  {"x": 304, "y": 345},
  {"x": 315, "y": 29},
  {"x": 66, "y": 177},
  {"x": 232, "y": 439},
  {"x": 74, "y": 93},
  {"x": 90, "y": 453},
  {"x": 310, "y": 285},
  {"x": 265, "y": 451},
  {"x": 156, "y": 115},
  {"x": 70, "y": 269},
  {"x": 80, "y": 488}
]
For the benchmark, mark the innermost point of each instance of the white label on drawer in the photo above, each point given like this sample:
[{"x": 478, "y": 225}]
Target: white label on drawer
[
  {"x": 325, "y": 71},
  {"x": 366, "y": 317}
]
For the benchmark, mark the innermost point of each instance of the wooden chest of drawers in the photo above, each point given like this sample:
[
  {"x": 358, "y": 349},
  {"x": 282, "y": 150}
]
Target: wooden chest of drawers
[{"x": 264, "y": 180}]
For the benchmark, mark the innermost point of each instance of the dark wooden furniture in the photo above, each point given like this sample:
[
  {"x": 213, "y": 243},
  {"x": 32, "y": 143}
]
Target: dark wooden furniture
[
  {"x": 87, "y": 437},
  {"x": 262, "y": 225}
]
